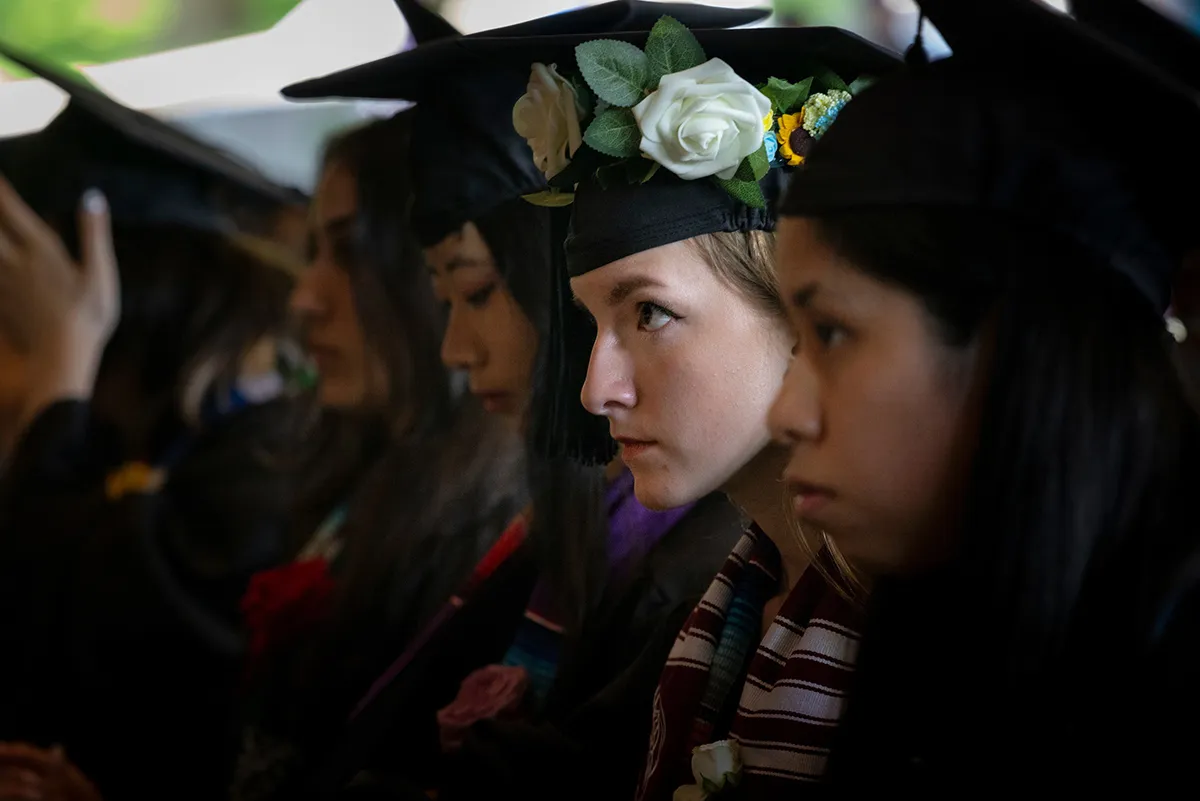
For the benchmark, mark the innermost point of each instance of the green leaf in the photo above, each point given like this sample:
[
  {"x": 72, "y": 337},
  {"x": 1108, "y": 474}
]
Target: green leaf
[
  {"x": 616, "y": 71},
  {"x": 670, "y": 48},
  {"x": 583, "y": 96},
  {"x": 551, "y": 198},
  {"x": 754, "y": 166},
  {"x": 786, "y": 96},
  {"x": 614, "y": 133},
  {"x": 748, "y": 192},
  {"x": 860, "y": 83},
  {"x": 654, "y": 167},
  {"x": 828, "y": 80}
]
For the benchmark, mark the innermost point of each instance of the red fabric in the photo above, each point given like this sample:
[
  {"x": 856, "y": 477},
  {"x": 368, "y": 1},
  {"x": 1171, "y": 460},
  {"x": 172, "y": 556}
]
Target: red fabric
[
  {"x": 283, "y": 603},
  {"x": 509, "y": 542}
]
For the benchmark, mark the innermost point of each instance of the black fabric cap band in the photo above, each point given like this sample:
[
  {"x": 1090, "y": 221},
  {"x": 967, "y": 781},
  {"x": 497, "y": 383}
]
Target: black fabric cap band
[{"x": 609, "y": 224}]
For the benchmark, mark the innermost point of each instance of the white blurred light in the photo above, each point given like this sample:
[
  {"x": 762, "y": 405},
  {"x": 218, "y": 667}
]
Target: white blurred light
[{"x": 228, "y": 91}]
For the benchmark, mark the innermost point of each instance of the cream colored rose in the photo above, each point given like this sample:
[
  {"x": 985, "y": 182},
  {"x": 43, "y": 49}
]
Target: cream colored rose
[
  {"x": 714, "y": 767},
  {"x": 547, "y": 115},
  {"x": 702, "y": 121}
]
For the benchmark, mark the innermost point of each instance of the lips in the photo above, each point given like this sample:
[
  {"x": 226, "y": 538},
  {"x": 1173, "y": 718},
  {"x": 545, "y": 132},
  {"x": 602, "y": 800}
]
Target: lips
[
  {"x": 632, "y": 448},
  {"x": 321, "y": 354},
  {"x": 493, "y": 401},
  {"x": 807, "y": 498}
]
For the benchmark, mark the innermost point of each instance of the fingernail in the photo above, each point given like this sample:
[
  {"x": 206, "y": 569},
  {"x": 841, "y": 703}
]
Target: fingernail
[{"x": 94, "y": 202}]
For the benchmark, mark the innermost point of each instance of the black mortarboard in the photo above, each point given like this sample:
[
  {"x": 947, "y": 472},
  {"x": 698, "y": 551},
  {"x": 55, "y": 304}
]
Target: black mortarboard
[
  {"x": 1147, "y": 32},
  {"x": 150, "y": 171},
  {"x": 469, "y": 160},
  {"x": 1035, "y": 118},
  {"x": 623, "y": 218}
]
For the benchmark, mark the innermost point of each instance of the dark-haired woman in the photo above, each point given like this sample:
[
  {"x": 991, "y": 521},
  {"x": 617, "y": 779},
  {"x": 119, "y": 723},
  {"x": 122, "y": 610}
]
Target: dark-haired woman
[
  {"x": 407, "y": 482},
  {"x": 985, "y": 418},
  {"x": 142, "y": 491}
]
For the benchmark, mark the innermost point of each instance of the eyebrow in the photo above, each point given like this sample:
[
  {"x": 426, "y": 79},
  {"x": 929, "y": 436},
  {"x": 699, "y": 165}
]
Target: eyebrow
[
  {"x": 339, "y": 225},
  {"x": 459, "y": 263},
  {"x": 462, "y": 262},
  {"x": 623, "y": 289},
  {"x": 802, "y": 298}
]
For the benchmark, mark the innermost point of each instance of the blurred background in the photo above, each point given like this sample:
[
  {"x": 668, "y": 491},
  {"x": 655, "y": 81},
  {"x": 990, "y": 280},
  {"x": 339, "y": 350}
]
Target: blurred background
[{"x": 215, "y": 66}]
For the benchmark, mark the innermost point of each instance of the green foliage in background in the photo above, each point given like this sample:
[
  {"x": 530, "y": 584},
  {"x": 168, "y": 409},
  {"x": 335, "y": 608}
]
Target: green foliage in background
[{"x": 98, "y": 31}]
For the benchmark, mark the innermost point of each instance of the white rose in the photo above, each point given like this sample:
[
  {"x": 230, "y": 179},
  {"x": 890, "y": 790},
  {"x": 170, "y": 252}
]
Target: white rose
[
  {"x": 547, "y": 115},
  {"x": 702, "y": 121}
]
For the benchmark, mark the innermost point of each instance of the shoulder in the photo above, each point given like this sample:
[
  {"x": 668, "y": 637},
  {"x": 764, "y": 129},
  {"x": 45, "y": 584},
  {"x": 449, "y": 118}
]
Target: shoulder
[
  {"x": 688, "y": 557},
  {"x": 675, "y": 573}
]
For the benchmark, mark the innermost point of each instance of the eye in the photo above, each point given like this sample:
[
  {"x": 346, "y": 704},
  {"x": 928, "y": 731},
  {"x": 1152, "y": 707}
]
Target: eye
[
  {"x": 829, "y": 334},
  {"x": 479, "y": 298},
  {"x": 652, "y": 317},
  {"x": 344, "y": 253}
]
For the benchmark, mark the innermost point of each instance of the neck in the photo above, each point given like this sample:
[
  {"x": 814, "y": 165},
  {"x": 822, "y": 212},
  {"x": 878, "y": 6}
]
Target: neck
[{"x": 758, "y": 491}]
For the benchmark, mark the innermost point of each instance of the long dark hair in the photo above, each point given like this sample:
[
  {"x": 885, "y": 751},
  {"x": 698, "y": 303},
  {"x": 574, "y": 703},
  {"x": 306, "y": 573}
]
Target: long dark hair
[
  {"x": 1075, "y": 515},
  {"x": 429, "y": 479},
  {"x": 194, "y": 302},
  {"x": 400, "y": 322},
  {"x": 570, "y": 525}
]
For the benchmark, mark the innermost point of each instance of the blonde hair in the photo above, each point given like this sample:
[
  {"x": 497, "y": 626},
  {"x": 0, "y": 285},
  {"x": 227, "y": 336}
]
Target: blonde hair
[{"x": 745, "y": 260}]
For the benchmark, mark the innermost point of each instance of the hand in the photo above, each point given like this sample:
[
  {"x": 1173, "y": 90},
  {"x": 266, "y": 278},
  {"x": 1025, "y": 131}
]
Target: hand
[
  {"x": 28, "y": 773},
  {"x": 58, "y": 313}
]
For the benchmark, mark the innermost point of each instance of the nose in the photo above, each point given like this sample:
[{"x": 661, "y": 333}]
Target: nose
[
  {"x": 795, "y": 415},
  {"x": 609, "y": 384},
  {"x": 307, "y": 299},
  {"x": 461, "y": 349}
]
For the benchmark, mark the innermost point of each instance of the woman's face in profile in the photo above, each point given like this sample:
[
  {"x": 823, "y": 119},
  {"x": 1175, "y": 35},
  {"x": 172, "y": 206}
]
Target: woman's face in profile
[
  {"x": 13, "y": 389},
  {"x": 683, "y": 367},
  {"x": 488, "y": 335},
  {"x": 879, "y": 413},
  {"x": 351, "y": 376}
]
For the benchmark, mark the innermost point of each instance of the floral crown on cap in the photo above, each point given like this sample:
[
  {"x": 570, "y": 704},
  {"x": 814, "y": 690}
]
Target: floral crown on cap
[{"x": 630, "y": 112}]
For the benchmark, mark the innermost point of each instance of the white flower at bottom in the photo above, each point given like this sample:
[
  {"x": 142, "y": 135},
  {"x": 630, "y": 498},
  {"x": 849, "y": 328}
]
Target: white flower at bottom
[{"x": 714, "y": 767}]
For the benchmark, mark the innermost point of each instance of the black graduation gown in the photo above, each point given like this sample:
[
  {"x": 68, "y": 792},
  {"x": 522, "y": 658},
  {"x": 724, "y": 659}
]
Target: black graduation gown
[
  {"x": 391, "y": 748},
  {"x": 601, "y": 697},
  {"x": 1117, "y": 718},
  {"x": 590, "y": 740},
  {"x": 425, "y": 514},
  {"x": 121, "y": 619}
]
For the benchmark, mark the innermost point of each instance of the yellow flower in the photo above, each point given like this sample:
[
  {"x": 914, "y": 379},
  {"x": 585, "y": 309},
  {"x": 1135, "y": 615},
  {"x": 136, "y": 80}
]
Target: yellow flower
[
  {"x": 793, "y": 139},
  {"x": 133, "y": 478},
  {"x": 768, "y": 121}
]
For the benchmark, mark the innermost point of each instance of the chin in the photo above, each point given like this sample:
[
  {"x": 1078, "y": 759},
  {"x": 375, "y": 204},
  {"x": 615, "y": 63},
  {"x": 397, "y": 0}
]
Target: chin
[
  {"x": 339, "y": 397},
  {"x": 658, "y": 493}
]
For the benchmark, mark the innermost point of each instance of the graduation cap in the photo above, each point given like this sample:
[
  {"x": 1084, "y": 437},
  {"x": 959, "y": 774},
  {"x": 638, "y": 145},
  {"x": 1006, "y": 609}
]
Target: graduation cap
[
  {"x": 1036, "y": 118},
  {"x": 614, "y": 218},
  {"x": 1152, "y": 35},
  {"x": 151, "y": 172},
  {"x": 469, "y": 160}
]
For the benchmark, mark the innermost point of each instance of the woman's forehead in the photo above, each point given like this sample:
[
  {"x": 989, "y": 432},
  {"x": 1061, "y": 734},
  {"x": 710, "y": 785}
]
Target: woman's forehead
[{"x": 668, "y": 266}]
